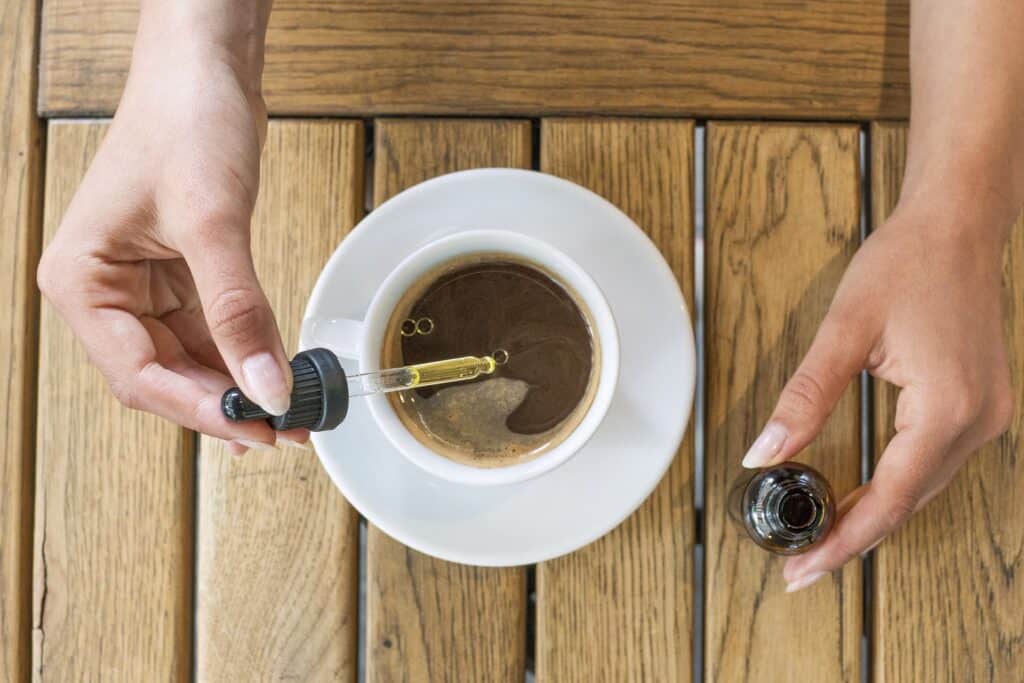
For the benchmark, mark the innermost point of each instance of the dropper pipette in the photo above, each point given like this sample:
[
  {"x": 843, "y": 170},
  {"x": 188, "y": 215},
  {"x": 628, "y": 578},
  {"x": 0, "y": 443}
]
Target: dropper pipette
[
  {"x": 460, "y": 369},
  {"x": 321, "y": 389}
]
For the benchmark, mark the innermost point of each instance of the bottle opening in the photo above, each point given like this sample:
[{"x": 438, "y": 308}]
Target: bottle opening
[{"x": 798, "y": 511}]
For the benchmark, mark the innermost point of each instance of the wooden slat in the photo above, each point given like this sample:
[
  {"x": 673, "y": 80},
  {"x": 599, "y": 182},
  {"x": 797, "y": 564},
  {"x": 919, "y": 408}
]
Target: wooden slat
[
  {"x": 815, "y": 59},
  {"x": 953, "y": 576},
  {"x": 114, "y": 500},
  {"x": 429, "y": 619},
  {"x": 20, "y": 196},
  {"x": 621, "y": 609},
  {"x": 782, "y": 224},
  {"x": 278, "y": 546}
]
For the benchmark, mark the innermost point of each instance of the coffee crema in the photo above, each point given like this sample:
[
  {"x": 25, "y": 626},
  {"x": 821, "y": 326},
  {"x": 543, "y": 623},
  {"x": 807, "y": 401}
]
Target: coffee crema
[{"x": 479, "y": 306}]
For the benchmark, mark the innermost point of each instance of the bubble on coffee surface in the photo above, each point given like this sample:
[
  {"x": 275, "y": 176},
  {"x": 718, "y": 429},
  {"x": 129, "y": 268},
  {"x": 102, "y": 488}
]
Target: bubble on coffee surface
[{"x": 424, "y": 326}]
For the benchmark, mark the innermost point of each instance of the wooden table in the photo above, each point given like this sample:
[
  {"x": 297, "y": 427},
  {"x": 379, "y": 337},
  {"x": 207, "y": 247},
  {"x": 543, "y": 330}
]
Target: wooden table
[{"x": 133, "y": 550}]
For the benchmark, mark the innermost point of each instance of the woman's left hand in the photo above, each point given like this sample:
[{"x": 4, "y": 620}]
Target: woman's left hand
[{"x": 920, "y": 307}]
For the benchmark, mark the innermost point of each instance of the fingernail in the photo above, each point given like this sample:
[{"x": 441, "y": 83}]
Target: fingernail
[
  {"x": 871, "y": 547},
  {"x": 266, "y": 381},
  {"x": 256, "y": 445},
  {"x": 233, "y": 447},
  {"x": 766, "y": 446},
  {"x": 804, "y": 582},
  {"x": 282, "y": 442},
  {"x": 236, "y": 449}
]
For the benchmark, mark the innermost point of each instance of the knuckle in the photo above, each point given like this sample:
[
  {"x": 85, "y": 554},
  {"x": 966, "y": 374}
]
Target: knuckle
[
  {"x": 236, "y": 314},
  {"x": 124, "y": 392},
  {"x": 129, "y": 391},
  {"x": 210, "y": 221},
  {"x": 842, "y": 319},
  {"x": 132, "y": 392},
  {"x": 963, "y": 406},
  {"x": 203, "y": 409},
  {"x": 804, "y": 396},
  {"x": 48, "y": 274},
  {"x": 1002, "y": 410},
  {"x": 844, "y": 549}
]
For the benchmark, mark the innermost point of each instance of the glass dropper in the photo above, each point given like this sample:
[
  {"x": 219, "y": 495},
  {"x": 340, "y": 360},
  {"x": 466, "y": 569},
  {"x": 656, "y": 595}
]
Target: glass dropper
[
  {"x": 460, "y": 369},
  {"x": 321, "y": 388}
]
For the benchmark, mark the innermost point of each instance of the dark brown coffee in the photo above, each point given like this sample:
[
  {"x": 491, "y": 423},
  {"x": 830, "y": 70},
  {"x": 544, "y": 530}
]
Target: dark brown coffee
[{"x": 492, "y": 305}]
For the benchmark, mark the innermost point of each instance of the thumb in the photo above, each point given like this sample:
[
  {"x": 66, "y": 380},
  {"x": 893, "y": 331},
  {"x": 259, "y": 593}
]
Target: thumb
[
  {"x": 837, "y": 354},
  {"x": 903, "y": 482},
  {"x": 239, "y": 316}
]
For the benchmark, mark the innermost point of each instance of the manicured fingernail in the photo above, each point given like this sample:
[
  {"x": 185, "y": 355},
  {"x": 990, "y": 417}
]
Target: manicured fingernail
[
  {"x": 282, "y": 442},
  {"x": 871, "y": 547},
  {"x": 803, "y": 582},
  {"x": 236, "y": 449},
  {"x": 256, "y": 445},
  {"x": 766, "y": 446},
  {"x": 265, "y": 379}
]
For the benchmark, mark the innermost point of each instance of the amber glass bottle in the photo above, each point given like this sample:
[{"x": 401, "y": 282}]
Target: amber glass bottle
[{"x": 785, "y": 509}]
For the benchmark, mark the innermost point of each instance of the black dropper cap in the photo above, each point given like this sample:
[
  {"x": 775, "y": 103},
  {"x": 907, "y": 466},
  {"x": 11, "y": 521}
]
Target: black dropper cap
[{"x": 319, "y": 396}]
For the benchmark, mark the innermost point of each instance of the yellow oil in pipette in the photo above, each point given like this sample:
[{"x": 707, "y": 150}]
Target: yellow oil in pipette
[{"x": 422, "y": 375}]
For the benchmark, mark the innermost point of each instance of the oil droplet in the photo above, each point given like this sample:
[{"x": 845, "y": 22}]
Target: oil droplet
[{"x": 424, "y": 326}]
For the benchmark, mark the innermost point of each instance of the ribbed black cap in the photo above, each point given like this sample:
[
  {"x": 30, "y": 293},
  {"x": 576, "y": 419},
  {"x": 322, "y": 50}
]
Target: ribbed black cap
[{"x": 319, "y": 396}]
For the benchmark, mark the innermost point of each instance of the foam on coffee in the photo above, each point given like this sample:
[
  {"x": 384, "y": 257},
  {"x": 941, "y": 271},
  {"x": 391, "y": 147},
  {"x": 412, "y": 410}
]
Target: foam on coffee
[{"x": 479, "y": 305}]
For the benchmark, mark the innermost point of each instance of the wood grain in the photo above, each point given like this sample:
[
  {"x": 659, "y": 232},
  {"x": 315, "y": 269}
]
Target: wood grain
[
  {"x": 114, "y": 500},
  {"x": 621, "y": 609},
  {"x": 949, "y": 585},
  {"x": 430, "y": 620},
  {"x": 278, "y": 547},
  {"x": 20, "y": 200},
  {"x": 782, "y": 223},
  {"x": 817, "y": 59}
]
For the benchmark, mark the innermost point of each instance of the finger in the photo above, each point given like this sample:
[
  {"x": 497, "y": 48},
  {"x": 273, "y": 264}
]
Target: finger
[
  {"x": 295, "y": 438},
  {"x": 237, "y": 311},
  {"x": 241, "y": 447},
  {"x": 176, "y": 397},
  {"x": 902, "y": 481},
  {"x": 129, "y": 354},
  {"x": 181, "y": 310},
  {"x": 211, "y": 380},
  {"x": 140, "y": 380},
  {"x": 835, "y": 357},
  {"x": 191, "y": 330},
  {"x": 193, "y": 392},
  {"x": 851, "y": 499},
  {"x": 236, "y": 449}
]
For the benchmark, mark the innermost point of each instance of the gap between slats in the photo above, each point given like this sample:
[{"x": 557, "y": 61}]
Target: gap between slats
[
  {"x": 699, "y": 443},
  {"x": 866, "y": 436}
]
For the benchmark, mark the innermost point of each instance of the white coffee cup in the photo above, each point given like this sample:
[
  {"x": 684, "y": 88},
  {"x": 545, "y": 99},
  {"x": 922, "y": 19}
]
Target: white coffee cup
[{"x": 363, "y": 340}]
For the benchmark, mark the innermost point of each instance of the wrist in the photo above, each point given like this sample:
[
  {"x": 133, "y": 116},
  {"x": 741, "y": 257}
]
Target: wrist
[
  {"x": 959, "y": 205},
  {"x": 953, "y": 224},
  {"x": 176, "y": 32},
  {"x": 977, "y": 184}
]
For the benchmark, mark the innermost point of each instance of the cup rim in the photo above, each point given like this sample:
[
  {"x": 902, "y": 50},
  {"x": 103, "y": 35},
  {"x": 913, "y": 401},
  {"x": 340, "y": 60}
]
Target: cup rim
[{"x": 445, "y": 249}]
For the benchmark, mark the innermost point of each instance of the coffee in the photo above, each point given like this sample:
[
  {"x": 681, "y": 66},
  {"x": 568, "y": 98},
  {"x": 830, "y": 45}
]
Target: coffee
[{"x": 494, "y": 305}]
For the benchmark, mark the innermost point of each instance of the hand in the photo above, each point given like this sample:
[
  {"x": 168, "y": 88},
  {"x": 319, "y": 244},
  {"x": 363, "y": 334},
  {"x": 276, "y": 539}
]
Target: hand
[
  {"x": 919, "y": 307},
  {"x": 151, "y": 266}
]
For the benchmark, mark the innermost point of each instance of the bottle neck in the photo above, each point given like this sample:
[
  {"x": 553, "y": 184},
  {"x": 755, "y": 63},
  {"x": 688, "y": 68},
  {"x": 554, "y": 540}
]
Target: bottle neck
[{"x": 785, "y": 509}]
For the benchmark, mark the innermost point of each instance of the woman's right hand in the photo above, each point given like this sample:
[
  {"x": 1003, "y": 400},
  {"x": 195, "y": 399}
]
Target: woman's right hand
[{"x": 151, "y": 266}]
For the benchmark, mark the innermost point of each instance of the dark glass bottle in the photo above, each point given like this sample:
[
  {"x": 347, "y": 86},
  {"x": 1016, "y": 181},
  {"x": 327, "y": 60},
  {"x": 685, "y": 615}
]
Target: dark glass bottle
[{"x": 785, "y": 509}]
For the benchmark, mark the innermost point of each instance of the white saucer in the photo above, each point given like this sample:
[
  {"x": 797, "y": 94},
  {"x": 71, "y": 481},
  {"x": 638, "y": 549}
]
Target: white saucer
[{"x": 622, "y": 463}]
